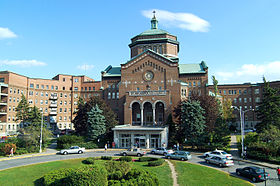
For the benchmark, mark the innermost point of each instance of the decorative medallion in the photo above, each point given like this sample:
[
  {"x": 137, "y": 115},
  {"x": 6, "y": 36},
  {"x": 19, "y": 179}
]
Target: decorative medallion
[{"x": 148, "y": 76}]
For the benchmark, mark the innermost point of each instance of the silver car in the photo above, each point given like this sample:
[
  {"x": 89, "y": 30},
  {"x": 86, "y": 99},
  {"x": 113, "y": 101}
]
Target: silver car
[
  {"x": 133, "y": 152},
  {"x": 73, "y": 150},
  {"x": 218, "y": 160},
  {"x": 162, "y": 151}
]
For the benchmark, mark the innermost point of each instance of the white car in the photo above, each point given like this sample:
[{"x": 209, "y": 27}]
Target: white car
[
  {"x": 218, "y": 153},
  {"x": 73, "y": 150},
  {"x": 162, "y": 151}
]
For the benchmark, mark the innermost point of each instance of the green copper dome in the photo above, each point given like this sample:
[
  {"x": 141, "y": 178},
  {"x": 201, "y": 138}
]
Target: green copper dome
[{"x": 153, "y": 32}]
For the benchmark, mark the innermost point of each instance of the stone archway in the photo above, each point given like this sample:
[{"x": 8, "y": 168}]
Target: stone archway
[
  {"x": 136, "y": 113},
  {"x": 159, "y": 115},
  {"x": 148, "y": 113}
]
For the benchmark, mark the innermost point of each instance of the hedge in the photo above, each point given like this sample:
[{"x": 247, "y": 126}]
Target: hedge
[
  {"x": 106, "y": 157},
  {"x": 115, "y": 166},
  {"x": 66, "y": 141},
  {"x": 156, "y": 163},
  {"x": 56, "y": 177},
  {"x": 89, "y": 160},
  {"x": 88, "y": 175},
  {"x": 144, "y": 159},
  {"x": 126, "y": 158}
]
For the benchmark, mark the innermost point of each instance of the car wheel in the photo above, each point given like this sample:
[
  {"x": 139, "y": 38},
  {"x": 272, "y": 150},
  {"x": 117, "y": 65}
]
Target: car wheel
[
  {"x": 65, "y": 153},
  {"x": 80, "y": 152},
  {"x": 138, "y": 154},
  {"x": 254, "y": 179},
  {"x": 164, "y": 154},
  {"x": 220, "y": 165},
  {"x": 207, "y": 161},
  {"x": 183, "y": 159},
  {"x": 124, "y": 154},
  {"x": 238, "y": 173},
  {"x": 153, "y": 152},
  {"x": 207, "y": 156},
  {"x": 168, "y": 157}
]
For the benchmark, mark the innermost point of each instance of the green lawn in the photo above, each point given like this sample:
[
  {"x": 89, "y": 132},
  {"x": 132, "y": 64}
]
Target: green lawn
[
  {"x": 191, "y": 174},
  {"x": 27, "y": 175}
]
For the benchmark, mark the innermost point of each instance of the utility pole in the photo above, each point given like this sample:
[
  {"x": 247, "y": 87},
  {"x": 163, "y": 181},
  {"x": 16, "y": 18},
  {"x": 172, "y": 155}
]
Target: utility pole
[{"x": 41, "y": 133}]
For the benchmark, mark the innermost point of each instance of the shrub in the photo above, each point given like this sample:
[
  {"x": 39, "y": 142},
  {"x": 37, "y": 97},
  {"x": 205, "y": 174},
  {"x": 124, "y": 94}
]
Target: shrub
[
  {"x": 21, "y": 151},
  {"x": 68, "y": 140},
  {"x": 144, "y": 159},
  {"x": 126, "y": 158},
  {"x": 56, "y": 177},
  {"x": 156, "y": 163},
  {"x": 88, "y": 175},
  {"x": 106, "y": 157},
  {"x": 114, "y": 166},
  {"x": 7, "y": 148},
  {"x": 89, "y": 160},
  {"x": 140, "y": 177}
]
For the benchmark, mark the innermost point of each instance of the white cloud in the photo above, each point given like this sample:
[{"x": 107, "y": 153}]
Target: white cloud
[
  {"x": 6, "y": 33},
  {"x": 185, "y": 21},
  {"x": 251, "y": 73},
  {"x": 22, "y": 63},
  {"x": 85, "y": 67}
]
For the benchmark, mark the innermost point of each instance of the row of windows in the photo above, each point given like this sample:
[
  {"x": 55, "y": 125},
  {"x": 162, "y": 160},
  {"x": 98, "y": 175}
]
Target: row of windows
[
  {"x": 245, "y": 100},
  {"x": 44, "y": 87},
  {"x": 65, "y": 125},
  {"x": 156, "y": 48},
  {"x": 148, "y": 63},
  {"x": 234, "y": 92},
  {"x": 114, "y": 95},
  {"x": 64, "y": 118},
  {"x": 113, "y": 86},
  {"x": 18, "y": 91},
  {"x": 87, "y": 88},
  {"x": 194, "y": 84}
]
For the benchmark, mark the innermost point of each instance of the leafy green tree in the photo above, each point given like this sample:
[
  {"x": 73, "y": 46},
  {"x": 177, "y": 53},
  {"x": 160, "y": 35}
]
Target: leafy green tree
[
  {"x": 192, "y": 120},
  {"x": 80, "y": 121},
  {"x": 96, "y": 123},
  {"x": 268, "y": 111},
  {"x": 215, "y": 84},
  {"x": 227, "y": 110},
  {"x": 174, "y": 130},
  {"x": 22, "y": 110}
]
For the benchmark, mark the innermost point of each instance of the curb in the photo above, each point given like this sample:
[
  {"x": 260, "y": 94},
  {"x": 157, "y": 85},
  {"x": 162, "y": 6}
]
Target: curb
[
  {"x": 53, "y": 153},
  {"x": 255, "y": 163}
]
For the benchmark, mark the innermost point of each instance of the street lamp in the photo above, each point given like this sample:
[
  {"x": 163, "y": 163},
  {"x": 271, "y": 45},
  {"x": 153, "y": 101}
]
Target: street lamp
[
  {"x": 241, "y": 114},
  {"x": 41, "y": 133}
]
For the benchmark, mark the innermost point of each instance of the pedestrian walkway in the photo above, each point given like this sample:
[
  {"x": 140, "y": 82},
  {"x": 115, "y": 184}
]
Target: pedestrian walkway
[{"x": 173, "y": 173}]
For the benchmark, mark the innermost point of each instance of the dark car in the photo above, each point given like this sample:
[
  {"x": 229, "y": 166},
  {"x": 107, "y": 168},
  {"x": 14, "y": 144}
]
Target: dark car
[{"x": 254, "y": 173}]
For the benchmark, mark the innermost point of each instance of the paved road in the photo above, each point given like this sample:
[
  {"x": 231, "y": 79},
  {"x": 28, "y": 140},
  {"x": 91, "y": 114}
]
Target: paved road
[{"x": 195, "y": 159}]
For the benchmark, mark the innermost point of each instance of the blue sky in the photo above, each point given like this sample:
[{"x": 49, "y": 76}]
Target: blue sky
[{"x": 239, "y": 40}]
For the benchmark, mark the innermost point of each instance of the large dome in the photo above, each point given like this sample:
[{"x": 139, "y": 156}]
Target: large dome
[{"x": 153, "y": 32}]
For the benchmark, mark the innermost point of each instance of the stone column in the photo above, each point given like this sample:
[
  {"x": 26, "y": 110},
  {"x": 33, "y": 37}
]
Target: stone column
[
  {"x": 147, "y": 141},
  {"x": 142, "y": 115},
  {"x": 154, "y": 115},
  {"x": 132, "y": 140}
]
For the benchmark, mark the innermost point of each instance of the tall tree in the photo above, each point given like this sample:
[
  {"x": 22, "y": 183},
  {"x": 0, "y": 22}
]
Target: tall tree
[
  {"x": 215, "y": 83},
  {"x": 22, "y": 110},
  {"x": 268, "y": 111},
  {"x": 192, "y": 120},
  {"x": 96, "y": 123},
  {"x": 34, "y": 117},
  {"x": 80, "y": 121},
  {"x": 227, "y": 110},
  {"x": 174, "y": 131},
  {"x": 211, "y": 109}
]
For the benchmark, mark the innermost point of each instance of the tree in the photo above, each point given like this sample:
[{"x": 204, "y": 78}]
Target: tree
[
  {"x": 80, "y": 121},
  {"x": 192, "y": 120},
  {"x": 211, "y": 109},
  {"x": 227, "y": 110},
  {"x": 268, "y": 111},
  {"x": 22, "y": 110},
  {"x": 174, "y": 130},
  {"x": 34, "y": 117},
  {"x": 215, "y": 84},
  {"x": 96, "y": 123}
]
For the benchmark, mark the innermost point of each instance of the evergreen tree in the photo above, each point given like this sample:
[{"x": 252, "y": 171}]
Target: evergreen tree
[
  {"x": 268, "y": 111},
  {"x": 215, "y": 84},
  {"x": 34, "y": 117},
  {"x": 22, "y": 110},
  {"x": 96, "y": 123},
  {"x": 80, "y": 121},
  {"x": 173, "y": 130},
  {"x": 192, "y": 120}
]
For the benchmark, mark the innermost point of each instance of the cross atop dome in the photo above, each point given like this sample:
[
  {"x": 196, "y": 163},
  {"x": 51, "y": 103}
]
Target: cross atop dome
[{"x": 154, "y": 22}]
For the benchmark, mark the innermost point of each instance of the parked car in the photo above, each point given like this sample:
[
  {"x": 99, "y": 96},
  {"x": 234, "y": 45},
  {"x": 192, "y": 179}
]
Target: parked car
[
  {"x": 254, "y": 173},
  {"x": 162, "y": 151},
  {"x": 73, "y": 150},
  {"x": 221, "y": 161},
  {"x": 133, "y": 152},
  {"x": 218, "y": 153},
  {"x": 179, "y": 155}
]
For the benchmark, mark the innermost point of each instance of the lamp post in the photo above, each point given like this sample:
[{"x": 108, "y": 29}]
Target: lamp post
[
  {"x": 241, "y": 114},
  {"x": 41, "y": 133}
]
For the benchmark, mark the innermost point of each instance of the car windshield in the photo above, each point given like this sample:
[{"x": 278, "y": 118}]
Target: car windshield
[
  {"x": 259, "y": 171},
  {"x": 224, "y": 153}
]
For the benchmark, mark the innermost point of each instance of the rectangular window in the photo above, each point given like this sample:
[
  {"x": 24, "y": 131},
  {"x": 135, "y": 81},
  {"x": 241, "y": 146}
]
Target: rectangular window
[
  {"x": 85, "y": 88},
  {"x": 117, "y": 95},
  {"x": 109, "y": 95},
  {"x": 225, "y": 92},
  {"x": 190, "y": 84},
  {"x": 63, "y": 79},
  {"x": 56, "y": 87},
  {"x": 113, "y": 95},
  {"x": 194, "y": 84},
  {"x": 257, "y": 91},
  {"x": 240, "y": 92},
  {"x": 245, "y": 92},
  {"x": 229, "y": 92},
  {"x": 198, "y": 84},
  {"x": 52, "y": 87},
  {"x": 11, "y": 90},
  {"x": 42, "y": 86},
  {"x": 93, "y": 88},
  {"x": 76, "y": 88},
  {"x": 2, "y": 80},
  {"x": 42, "y": 93},
  {"x": 47, "y": 87},
  {"x": 31, "y": 85},
  {"x": 89, "y": 88},
  {"x": 250, "y": 100},
  {"x": 240, "y": 100},
  {"x": 245, "y": 100},
  {"x": 76, "y": 80},
  {"x": 235, "y": 100},
  {"x": 46, "y": 102},
  {"x": 37, "y": 86},
  {"x": 41, "y": 102},
  {"x": 234, "y": 92}
]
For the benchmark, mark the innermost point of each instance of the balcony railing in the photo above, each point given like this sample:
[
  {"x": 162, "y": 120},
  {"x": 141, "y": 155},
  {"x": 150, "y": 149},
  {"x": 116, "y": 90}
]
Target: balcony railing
[
  {"x": 3, "y": 111},
  {"x": 148, "y": 93},
  {"x": 53, "y": 97}
]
